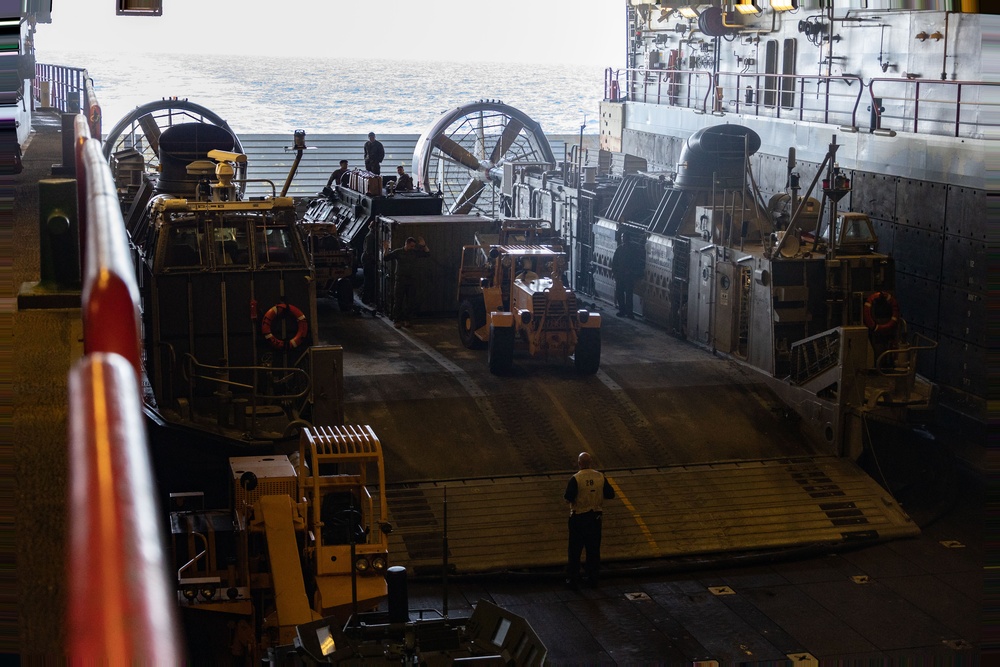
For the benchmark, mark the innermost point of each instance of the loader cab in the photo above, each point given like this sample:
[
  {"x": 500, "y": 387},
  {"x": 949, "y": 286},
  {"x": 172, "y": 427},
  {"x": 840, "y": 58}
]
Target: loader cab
[
  {"x": 341, "y": 477},
  {"x": 344, "y": 521},
  {"x": 525, "y": 269}
]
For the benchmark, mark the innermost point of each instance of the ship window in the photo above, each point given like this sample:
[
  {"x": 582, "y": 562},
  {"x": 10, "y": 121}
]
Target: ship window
[
  {"x": 500, "y": 634},
  {"x": 231, "y": 245},
  {"x": 275, "y": 245},
  {"x": 183, "y": 248},
  {"x": 788, "y": 56},
  {"x": 770, "y": 67}
]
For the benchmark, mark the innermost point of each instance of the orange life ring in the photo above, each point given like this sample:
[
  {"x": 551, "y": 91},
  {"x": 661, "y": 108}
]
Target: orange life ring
[
  {"x": 300, "y": 334},
  {"x": 869, "y": 318}
]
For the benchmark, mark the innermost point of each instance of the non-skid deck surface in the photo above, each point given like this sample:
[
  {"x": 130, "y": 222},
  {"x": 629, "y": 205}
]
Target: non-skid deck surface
[{"x": 521, "y": 522}]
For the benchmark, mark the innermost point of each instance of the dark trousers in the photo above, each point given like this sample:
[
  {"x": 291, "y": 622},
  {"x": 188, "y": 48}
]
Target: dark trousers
[
  {"x": 624, "y": 294},
  {"x": 404, "y": 300},
  {"x": 584, "y": 533},
  {"x": 370, "y": 270}
]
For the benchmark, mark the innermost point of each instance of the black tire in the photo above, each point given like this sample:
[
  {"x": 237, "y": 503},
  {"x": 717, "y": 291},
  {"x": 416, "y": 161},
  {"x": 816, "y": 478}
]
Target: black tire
[
  {"x": 344, "y": 291},
  {"x": 588, "y": 351},
  {"x": 471, "y": 316},
  {"x": 501, "y": 349}
]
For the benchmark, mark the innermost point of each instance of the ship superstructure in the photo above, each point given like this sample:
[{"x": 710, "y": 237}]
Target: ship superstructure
[{"x": 902, "y": 95}]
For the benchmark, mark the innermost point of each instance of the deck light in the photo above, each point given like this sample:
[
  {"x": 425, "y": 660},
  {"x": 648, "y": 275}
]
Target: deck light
[
  {"x": 784, "y": 5},
  {"x": 138, "y": 7},
  {"x": 747, "y": 7},
  {"x": 688, "y": 12}
]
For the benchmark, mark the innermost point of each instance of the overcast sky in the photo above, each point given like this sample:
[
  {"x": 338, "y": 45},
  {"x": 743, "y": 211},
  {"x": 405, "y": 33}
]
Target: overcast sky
[{"x": 583, "y": 31}]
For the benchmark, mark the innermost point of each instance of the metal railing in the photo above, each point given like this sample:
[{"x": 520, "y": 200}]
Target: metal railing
[
  {"x": 946, "y": 108},
  {"x": 120, "y": 608},
  {"x": 67, "y": 89},
  {"x": 954, "y": 108}
]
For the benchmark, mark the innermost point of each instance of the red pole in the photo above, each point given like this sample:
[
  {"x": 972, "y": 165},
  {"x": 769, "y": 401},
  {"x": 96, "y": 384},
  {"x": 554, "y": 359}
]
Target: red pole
[
  {"x": 82, "y": 133},
  {"x": 121, "y": 609},
  {"x": 110, "y": 294}
]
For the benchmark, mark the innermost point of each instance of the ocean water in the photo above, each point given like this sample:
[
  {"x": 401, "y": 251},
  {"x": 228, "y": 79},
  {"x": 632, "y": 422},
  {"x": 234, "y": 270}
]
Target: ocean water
[{"x": 267, "y": 94}]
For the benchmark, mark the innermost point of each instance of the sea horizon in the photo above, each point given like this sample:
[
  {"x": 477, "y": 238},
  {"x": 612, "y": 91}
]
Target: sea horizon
[{"x": 280, "y": 94}]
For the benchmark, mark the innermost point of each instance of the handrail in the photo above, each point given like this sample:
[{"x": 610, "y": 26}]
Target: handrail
[
  {"x": 944, "y": 117},
  {"x": 71, "y": 90},
  {"x": 192, "y": 363},
  {"x": 788, "y": 92},
  {"x": 110, "y": 293},
  {"x": 120, "y": 609},
  {"x": 775, "y": 95},
  {"x": 81, "y": 133},
  {"x": 91, "y": 107}
]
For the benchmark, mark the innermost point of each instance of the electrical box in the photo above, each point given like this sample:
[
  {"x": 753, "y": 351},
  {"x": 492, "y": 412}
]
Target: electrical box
[{"x": 272, "y": 476}]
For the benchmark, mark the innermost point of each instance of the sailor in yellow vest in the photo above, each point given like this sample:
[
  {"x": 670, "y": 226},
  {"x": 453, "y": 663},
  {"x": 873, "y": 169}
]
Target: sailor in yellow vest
[{"x": 586, "y": 492}]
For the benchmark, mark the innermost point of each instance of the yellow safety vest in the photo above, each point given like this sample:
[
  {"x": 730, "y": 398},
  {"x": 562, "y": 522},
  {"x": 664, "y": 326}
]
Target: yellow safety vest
[{"x": 589, "y": 491}]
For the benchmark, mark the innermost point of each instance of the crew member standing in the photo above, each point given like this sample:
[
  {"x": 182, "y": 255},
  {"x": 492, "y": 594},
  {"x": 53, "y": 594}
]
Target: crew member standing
[
  {"x": 374, "y": 154},
  {"x": 406, "y": 278},
  {"x": 627, "y": 266},
  {"x": 586, "y": 492}
]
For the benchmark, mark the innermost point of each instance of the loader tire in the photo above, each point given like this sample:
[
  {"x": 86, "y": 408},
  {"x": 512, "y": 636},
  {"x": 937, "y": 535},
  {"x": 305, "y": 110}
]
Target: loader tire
[
  {"x": 471, "y": 316},
  {"x": 588, "y": 351},
  {"x": 501, "y": 349}
]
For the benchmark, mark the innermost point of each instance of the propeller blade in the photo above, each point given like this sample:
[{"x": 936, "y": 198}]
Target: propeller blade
[
  {"x": 467, "y": 199},
  {"x": 152, "y": 132},
  {"x": 506, "y": 140},
  {"x": 456, "y": 151}
]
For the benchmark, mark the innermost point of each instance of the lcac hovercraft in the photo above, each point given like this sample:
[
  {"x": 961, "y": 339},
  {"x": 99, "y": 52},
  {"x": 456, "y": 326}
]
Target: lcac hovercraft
[{"x": 228, "y": 293}]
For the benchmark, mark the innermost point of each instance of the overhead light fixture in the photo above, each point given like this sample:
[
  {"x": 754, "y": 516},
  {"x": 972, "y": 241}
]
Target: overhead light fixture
[
  {"x": 138, "y": 8},
  {"x": 688, "y": 12},
  {"x": 784, "y": 5},
  {"x": 747, "y": 7}
]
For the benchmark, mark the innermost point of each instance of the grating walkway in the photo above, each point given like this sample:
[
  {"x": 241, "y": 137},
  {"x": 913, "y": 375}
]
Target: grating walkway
[{"x": 520, "y": 522}]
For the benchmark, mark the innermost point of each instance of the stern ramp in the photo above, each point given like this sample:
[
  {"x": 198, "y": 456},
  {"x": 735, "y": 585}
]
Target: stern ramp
[{"x": 517, "y": 523}]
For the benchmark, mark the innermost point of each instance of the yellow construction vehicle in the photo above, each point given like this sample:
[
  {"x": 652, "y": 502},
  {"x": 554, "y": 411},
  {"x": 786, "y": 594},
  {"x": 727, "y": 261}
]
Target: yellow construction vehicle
[
  {"x": 512, "y": 295},
  {"x": 306, "y": 538}
]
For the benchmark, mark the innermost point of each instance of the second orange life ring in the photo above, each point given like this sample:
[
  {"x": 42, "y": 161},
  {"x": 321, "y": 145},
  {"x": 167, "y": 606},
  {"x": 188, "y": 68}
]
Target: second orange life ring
[
  {"x": 885, "y": 299},
  {"x": 300, "y": 334}
]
